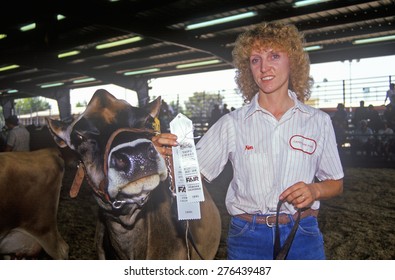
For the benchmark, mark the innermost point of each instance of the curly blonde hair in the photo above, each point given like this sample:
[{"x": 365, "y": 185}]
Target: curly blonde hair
[{"x": 281, "y": 37}]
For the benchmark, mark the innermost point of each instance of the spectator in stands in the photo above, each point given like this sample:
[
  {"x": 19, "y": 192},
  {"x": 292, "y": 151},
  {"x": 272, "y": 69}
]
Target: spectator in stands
[
  {"x": 18, "y": 137},
  {"x": 3, "y": 138},
  {"x": 283, "y": 152},
  {"x": 340, "y": 132},
  {"x": 389, "y": 116},
  {"x": 373, "y": 118},
  {"x": 340, "y": 115},
  {"x": 215, "y": 115},
  {"x": 360, "y": 113},
  {"x": 390, "y": 95},
  {"x": 385, "y": 141},
  {"x": 225, "y": 109},
  {"x": 363, "y": 139}
]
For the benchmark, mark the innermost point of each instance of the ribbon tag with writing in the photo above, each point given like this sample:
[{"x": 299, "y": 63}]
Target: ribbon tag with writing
[{"x": 189, "y": 188}]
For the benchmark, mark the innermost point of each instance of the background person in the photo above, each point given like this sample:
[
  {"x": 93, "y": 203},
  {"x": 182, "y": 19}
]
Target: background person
[
  {"x": 225, "y": 109},
  {"x": 390, "y": 95},
  {"x": 363, "y": 139},
  {"x": 215, "y": 114},
  {"x": 361, "y": 113},
  {"x": 18, "y": 137}
]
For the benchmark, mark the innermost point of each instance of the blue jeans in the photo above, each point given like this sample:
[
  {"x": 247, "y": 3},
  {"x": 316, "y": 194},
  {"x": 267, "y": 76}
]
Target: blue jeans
[{"x": 252, "y": 241}]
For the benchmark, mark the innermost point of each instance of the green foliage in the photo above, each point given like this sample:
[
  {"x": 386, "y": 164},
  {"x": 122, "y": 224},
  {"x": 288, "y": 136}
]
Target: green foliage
[
  {"x": 83, "y": 104},
  {"x": 28, "y": 105},
  {"x": 176, "y": 107},
  {"x": 200, "y": 104}
]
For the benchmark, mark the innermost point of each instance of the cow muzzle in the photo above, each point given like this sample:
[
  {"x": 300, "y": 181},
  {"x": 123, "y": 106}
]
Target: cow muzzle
[{"x": 134, "y": 169}]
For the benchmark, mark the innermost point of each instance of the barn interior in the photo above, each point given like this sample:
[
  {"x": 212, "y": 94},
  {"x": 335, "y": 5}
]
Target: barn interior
[{"x": 48, "y": 47}]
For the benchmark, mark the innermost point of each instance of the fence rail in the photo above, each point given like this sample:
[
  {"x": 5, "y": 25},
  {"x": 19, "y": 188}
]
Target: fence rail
[{"x": 372, "y": 90}]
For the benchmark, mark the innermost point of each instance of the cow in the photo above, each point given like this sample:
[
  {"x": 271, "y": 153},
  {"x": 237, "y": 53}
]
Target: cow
[
  {"x": 129, "y": 179},
  {"x": 30, "y": 185}
]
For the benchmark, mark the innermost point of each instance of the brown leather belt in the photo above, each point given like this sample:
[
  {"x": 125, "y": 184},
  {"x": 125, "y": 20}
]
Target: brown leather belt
[{"x": 270, "y": 220}]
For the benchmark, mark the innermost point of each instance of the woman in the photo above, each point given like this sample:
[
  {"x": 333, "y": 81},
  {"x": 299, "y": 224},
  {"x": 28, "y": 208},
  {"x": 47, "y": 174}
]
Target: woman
[{"x": 280, "y": 148}]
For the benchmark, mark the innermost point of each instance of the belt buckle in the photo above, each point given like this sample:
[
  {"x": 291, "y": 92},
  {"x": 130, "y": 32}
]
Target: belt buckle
[{"x": 267, "y": 220}]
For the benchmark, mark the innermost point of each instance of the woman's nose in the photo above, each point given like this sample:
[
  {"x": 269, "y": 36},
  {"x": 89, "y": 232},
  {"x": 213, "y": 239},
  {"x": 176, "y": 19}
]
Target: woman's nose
[{"x": 265, "y": 66}]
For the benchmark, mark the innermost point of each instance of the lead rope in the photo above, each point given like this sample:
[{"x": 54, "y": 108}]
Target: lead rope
[
  {"x": 186, "y": 240},
  {"x": 169, "y": 172},
  {"x": 280, "y": 253},
  {"x": 172, "y": 191}
]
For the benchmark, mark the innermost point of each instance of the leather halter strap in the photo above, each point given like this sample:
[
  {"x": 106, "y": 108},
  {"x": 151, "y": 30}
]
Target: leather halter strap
[
  {"x": 100, "y": 190},
  {"x": 103, "y": 194}
]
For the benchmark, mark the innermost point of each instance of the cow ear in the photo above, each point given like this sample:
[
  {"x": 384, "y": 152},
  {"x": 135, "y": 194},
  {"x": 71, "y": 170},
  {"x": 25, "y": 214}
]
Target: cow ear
[
  {"x": 58, "y": 130},
  {"x": 153, "y": 108}
]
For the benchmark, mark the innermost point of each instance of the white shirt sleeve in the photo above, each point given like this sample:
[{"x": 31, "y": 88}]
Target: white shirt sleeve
[{"x": 215, "y": 148}]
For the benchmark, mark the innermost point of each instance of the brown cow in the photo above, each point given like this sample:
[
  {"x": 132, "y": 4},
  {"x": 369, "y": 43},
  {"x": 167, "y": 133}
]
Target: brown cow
[
  {"x": 30, "y": 185},
  {"x": 128, "y": 176}
]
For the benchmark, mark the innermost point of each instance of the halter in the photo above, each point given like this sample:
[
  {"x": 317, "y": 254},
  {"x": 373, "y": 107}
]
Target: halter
[{"x": 101, "y": 190}]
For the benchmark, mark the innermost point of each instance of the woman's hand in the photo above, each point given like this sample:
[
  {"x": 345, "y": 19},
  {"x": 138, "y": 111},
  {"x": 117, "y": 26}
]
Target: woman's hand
[
  {"x": 300, "y": 195},
  {"x": 163, "y": 143}
]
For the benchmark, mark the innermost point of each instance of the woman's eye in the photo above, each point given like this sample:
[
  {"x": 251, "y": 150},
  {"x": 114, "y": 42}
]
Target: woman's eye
[
  {"x": 254, "y": 60},
  {"x": 275, "y": 56}
]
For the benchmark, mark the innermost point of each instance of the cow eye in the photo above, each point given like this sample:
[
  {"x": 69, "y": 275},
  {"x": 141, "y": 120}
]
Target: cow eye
[{"x": 79, "y": 138}]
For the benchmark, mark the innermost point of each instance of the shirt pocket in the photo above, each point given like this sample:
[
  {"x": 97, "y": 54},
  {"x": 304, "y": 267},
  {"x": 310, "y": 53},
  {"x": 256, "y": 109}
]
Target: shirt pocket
[
  {"x": 299, "y": 166},
  {"x": 255, "y": 170}
]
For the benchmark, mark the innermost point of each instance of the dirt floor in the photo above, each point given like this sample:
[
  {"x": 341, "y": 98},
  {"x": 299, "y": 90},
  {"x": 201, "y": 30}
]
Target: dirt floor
[{"x": 358, "y": 225}]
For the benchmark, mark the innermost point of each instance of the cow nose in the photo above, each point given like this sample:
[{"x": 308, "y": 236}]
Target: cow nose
[
  {"x": 121, "y": 161},
  {"x": 134, "y": 159}
]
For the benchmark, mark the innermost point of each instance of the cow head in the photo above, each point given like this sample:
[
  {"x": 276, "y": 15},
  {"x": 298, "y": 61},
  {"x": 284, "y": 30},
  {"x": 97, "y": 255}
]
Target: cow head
[{"x": 112, "y": 139}]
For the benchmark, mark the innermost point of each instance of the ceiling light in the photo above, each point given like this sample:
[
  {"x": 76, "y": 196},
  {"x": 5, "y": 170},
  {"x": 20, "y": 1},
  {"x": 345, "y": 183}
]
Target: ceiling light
[
  {"x": 9, "y": 67},
  {"x": 60, "y": 17},
  {"x": 52, "y": 85},
  {"x": 28, "y": 27},
  {"x": 308, "y": 2},
  {"x": 143, "y": 71},
  {"x": 373, "y": 40},
  {"x": 200, "y": 63},
  {"x": 12, "y": 91},
  {"x": 312, "y": 48},
  {"x": 66, "y": 54},
  {"x": 118, "y": 43},
  {"x": 220, "y": 20},
  {"x": 84, "y": 80},
  {"x": 2, "y": 36}
]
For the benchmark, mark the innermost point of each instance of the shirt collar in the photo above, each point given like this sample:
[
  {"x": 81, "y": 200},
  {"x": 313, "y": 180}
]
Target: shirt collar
[{"x": 254, "y": 105}]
